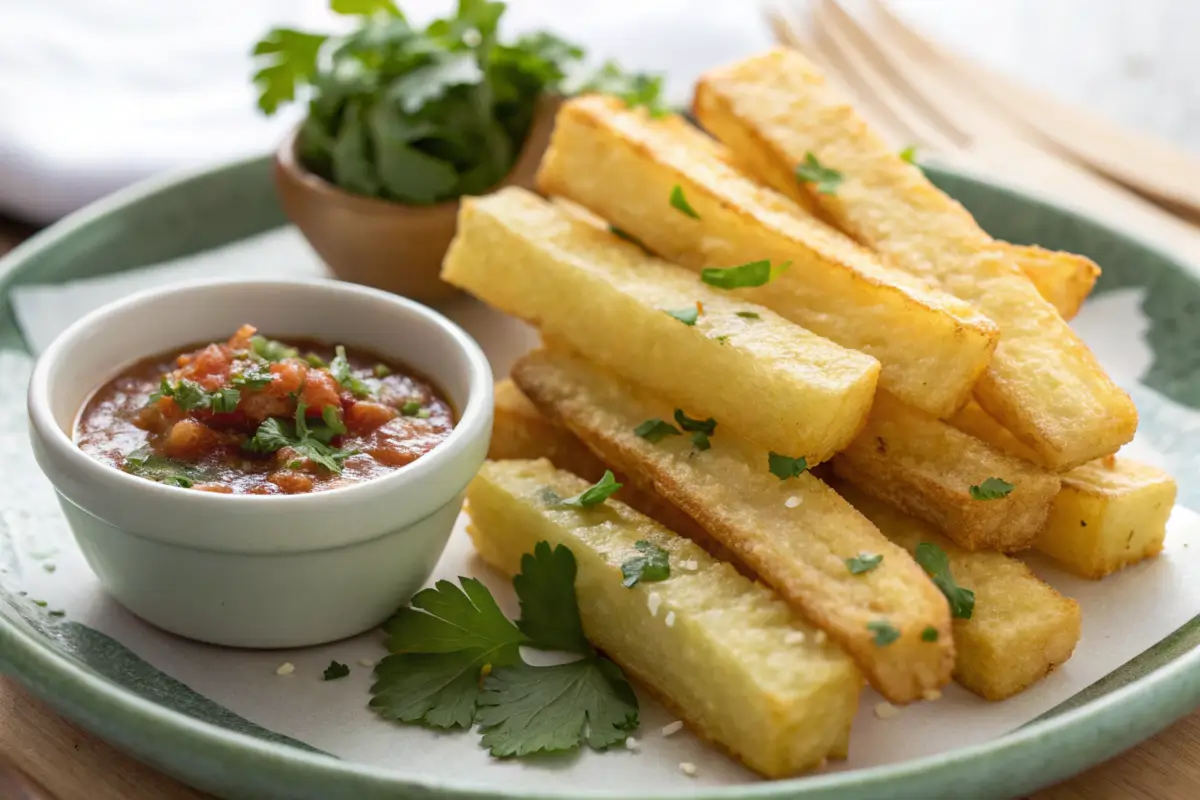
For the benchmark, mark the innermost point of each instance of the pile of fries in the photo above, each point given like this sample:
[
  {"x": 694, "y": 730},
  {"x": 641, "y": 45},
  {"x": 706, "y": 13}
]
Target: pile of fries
[{"x": 835, "y": 401}]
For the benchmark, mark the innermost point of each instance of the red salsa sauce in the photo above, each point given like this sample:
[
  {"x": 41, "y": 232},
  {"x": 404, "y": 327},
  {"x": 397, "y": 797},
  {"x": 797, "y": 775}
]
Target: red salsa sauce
[{"x": 258, "y": 416}]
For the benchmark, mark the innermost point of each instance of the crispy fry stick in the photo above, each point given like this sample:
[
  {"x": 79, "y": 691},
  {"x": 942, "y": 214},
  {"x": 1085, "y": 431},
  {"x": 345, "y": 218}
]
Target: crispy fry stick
[
  {"x": 1020, "y": 629},
  {"x": 796, "y": 534},
  {"x": 1064, "y": 279},
  {"x": 723, "y": 652},
  {"x": 1043, "y": 383},
  {"x": 927, "y": 467},
  {"x": 611, "y": 301},
  {"x": 623, "y": 165}
]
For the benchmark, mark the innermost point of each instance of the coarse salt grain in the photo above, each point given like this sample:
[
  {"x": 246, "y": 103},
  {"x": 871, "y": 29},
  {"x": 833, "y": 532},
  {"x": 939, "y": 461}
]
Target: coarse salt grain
[
  {"x": 653, "y": 602},
  {"x": 286, "y": 668},
  {"x": 794, "y": 637},
  {"x": 792, "y": 501},
  {"x": 886, "y": 710},
  {"x": 932, "y": 694},
  {"x": 672, "y": 727},
  {"x": 693, "y": 565},
  {"x": 366, "y": 662},
  {"x": 687, "y": 768},
  {"x": 631, "y": 743},
  {"x": 670, "y": 620}
]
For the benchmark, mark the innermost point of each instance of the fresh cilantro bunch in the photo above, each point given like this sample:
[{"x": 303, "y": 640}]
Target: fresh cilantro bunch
[
  {"x": 457, "y": 663},
  {"x": 423, "y": 115}
]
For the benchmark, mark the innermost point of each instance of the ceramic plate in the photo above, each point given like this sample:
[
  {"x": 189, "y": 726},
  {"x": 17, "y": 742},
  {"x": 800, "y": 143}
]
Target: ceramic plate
[{"x": 223, "y": 721}]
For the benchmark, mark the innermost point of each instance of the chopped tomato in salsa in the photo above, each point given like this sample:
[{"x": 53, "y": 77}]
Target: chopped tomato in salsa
[{"x": 258, "y": 416}]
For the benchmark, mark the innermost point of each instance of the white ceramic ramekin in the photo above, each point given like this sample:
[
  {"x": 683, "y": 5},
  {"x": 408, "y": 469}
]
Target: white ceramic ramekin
[{"x": 261, "y": 571}]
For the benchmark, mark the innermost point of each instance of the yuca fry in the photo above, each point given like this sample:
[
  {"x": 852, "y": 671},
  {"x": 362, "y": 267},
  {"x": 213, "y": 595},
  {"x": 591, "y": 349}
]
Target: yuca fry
[
  {"x": 609, "y": 300},
  {"x": 927, "y": 467},
  {"x": 1042, "y": 383},
  {"x": 1110, "y": 513},
  {"x": 1020, "y": 628},
  {"x": 796, "y": 534},
  {"x": 724, "y": 653},
  {"x": 520, "y": 431},
  {"x": 1064, "y": 279},
  {"x": 623, "y": 165}
]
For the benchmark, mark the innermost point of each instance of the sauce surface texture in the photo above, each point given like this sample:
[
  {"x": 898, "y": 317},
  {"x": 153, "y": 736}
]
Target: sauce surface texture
[{"x": 257, "y": 416}]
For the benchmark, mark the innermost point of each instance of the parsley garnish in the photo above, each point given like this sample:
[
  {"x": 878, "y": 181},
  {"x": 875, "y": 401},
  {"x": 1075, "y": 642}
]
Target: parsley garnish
[
  {"x": 421, "y": 114},
  {"x": 652, "y": 565},
  {"x": 655, "y": 430},
  {"x": 885, "y": 634},
  {"x": 145, "y": 463},
  {"x": 909, "y": 155},
  {"x": 312, "y": 443},
  {"x": 253, "y": 376},
  {"x": 339, "y": 368},
  {"x": 784, "y": 467},
  {"x": 863, "y": 562},
  {"x": 755, "y": 273},
  {"x": 749, "y": 315},
  {"x": 700, "y": 429},
  {"x": 443, "y": 642},
  {"x": 680, "y": 203},
  {"x": 936, "y": 563},
  {"x": 687, "y": 316},
  {"x": 991, "y": 489},
  {"x": 930, "y": 634},
  {"x": 335, "y": 670},
  {"x": 271, "y": 350},
  {"x": 826, "y": 180},
  {"x": 595, "y": 494}
]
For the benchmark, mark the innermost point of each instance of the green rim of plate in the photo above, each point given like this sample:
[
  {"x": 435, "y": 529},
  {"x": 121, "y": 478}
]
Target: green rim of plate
[{"x": 1092, "y": 728}]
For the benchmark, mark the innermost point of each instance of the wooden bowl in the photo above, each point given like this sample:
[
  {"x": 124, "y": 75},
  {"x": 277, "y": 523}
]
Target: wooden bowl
[{"x": 390, "y": 246}]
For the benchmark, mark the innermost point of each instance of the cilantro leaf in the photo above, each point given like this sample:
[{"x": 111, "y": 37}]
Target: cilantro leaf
[
  {"x": 253, "y": 376},
  {"x": 863, "y": 562},
  {"x": 332, "y": 416},
  {"x": 364, "y": 8},
  {"x": 381, "y": 370},
  {"x": 826, "y": 180},
  {"x": 448, "y": 618},
  {"x": 595, "y": 494},
  {"x": 525, "y": 710},
  {"x": 339, "y": 368},
  {"x": 312, "y": 443},
  {"x": 436, "y": 689},
  {"x": 687, "y": 316},
  {"x": 622, "y": 234},
  {"x": 991, "y": 489},
  {"x": 224, "y": 401},
  {"x": 273, "y": 434},
  {"x": 652, "y": 565},
  {"x": 885, "y": 632},
  {"x": 909, "y": 154},
  {"x": 655, "y": 430},
  {"x": 549, "y": 613},
  {"x": 705, "y": 426},
  {"x": 270, "y": 349},
  {"x": 784, "y": 467},
  {"x": 335, "y": 670},
  {"x": 755, "y": 273},
  {"x": 288, "y": 58},
  {"x": 410, "y": 408},
  {"x": 700, "y": 440},
  {"x": 936, "y": 564},
  {"x": 680, "y": 203},
  {"x": 749, "y": 315},
  {"x": 145, "y": 463},
  {"x": 930, "y": 634},
  {"x": 635, "y": 89}
]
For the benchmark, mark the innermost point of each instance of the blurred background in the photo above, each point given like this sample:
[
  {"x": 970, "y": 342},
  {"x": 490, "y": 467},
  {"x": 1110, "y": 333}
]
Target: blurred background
[{"x": 95, "y": 94}]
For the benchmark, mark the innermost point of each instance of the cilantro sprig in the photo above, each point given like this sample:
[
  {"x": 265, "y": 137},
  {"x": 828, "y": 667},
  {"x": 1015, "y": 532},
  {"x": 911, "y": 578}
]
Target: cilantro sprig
[
  {"x": 700, "y": 429},
  {"x": 755, "y": 273},
  {"x": 825, "y": 179},
  {"x": 991, "y": 489},
  {"x": 680, "y": 203},
  {"x": 145, "y": 463},
  {"x": 784, "y": 467},
  {"x": 655, "y": 430},
  {"x": 424, "y": 114},
  {"x": 335, "y": 670},
  {"x": 595, "y": 494},
  {"x": 340, "y": 369},
  {"x": 309, "y": 441},
  {"x": 456, "y": 662},
  {"x": 885, "y": 632},
  {"x": 936, "y": 564},
  {"x": 650, "y": 565},
  {"x": 863, "y": 562},
  {"x": 191, "y": 396}
]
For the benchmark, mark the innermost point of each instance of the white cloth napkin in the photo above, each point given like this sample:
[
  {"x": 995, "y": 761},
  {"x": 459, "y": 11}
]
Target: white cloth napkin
[{"x": 96, "y": 94}]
